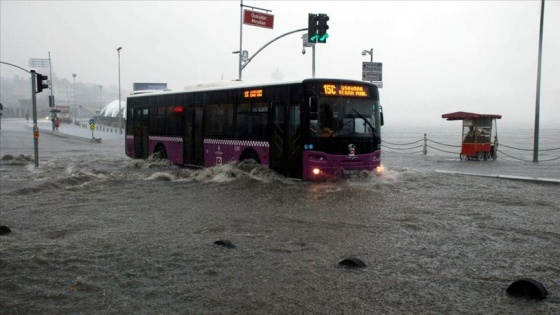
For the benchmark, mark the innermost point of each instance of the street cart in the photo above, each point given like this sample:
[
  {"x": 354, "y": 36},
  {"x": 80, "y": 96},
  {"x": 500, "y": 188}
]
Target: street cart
[{"x": 479, "y": 137}]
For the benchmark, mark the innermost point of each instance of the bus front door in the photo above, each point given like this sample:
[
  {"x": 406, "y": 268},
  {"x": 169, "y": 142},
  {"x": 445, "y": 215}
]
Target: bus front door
[{"x": 141, "y": 132}]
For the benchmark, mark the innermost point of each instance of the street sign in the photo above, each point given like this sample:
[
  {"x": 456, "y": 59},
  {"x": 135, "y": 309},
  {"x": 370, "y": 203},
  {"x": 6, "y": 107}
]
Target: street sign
[
  {"x": 373, "y": 72},
  {"x": 38, "y": 63},
  {"x": 259, "y": 19},
  {"x": 371, "y": 76},
  {"x": 372, "y": 66}
]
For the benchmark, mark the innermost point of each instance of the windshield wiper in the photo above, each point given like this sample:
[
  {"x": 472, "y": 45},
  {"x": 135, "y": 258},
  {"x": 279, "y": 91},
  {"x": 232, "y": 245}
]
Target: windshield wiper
[{"x": 367, "y": 122}]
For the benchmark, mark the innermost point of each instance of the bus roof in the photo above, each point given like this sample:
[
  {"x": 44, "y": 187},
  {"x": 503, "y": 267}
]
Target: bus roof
[{"x": 225, "y": 85}]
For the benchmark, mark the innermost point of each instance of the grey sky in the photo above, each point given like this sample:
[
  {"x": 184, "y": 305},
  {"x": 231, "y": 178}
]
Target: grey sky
[{"x": 438, "y": 56}]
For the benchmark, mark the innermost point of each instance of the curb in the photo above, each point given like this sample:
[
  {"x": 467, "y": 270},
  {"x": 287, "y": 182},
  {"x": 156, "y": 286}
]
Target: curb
[
  {"x": 510, "y": 177},
  {"x": 64, "y": 135}
]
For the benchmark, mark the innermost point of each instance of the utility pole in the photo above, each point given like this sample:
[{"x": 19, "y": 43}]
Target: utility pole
[{"x": 538, "y": 99}]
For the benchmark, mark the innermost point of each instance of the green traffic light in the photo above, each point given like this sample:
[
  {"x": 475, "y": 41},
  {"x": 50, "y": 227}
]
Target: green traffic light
[{"x": 324, "y": 37}]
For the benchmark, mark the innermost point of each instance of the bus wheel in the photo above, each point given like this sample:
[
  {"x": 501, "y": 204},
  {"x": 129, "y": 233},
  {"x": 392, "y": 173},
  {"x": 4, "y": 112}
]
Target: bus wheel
[
  {"x": 160, "y": 153},
  {"x": 250, "y": 155}
]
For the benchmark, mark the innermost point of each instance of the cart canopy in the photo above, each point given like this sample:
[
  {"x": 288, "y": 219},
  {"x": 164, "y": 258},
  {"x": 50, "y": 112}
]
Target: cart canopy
[{"x": 465, "y": 115}]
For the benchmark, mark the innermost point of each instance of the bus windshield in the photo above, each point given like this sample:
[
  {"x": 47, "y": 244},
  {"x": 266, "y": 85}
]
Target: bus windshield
[{"x": 335, "y": 117}]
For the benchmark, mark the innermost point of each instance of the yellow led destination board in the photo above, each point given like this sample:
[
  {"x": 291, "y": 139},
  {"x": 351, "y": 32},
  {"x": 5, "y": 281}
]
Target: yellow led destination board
[
  {"x": 345, "y": 90},
  {"x": 252, "y": 93}
]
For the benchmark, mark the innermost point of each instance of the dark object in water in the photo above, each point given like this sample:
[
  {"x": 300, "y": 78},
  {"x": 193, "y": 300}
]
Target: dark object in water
[
  {"x": 4, "y": 230},
  {"x": 527, "y": 288},
  {"x": 224, "y": 243},
  {"x": 352, "y": 262}
]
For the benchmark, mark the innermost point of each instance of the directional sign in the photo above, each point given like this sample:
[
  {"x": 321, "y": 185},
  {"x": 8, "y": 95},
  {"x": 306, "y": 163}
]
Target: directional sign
[
  {"x": 372, "y": 66},
  {"x": 259, "y": 19},
  {"x": 373, "y": 72},
  {"x": 39, "y": 63},
  {"x": 372, "y": 76}
]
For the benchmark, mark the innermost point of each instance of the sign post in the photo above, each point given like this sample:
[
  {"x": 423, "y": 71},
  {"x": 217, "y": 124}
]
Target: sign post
[
  {"x": 251, "y": 18},
  {"x": 92, "y": 127}
]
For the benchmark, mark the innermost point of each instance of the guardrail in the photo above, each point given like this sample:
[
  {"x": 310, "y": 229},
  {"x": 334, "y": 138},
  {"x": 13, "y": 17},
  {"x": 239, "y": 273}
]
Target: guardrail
[
  {"x": 421, "y": 146},
  {"x": 98, "y": 127}
]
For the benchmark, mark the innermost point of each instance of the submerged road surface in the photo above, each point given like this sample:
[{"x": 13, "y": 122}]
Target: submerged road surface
[{"x": 96, "y": 232}]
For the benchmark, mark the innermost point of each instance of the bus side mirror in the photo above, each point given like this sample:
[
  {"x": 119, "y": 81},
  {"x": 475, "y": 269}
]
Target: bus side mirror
[{"x": 382, "y": 121}]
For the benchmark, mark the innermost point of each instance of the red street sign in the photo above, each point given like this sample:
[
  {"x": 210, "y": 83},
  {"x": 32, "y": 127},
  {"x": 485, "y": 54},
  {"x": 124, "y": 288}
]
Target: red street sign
[{"x": 258, "y": 19}]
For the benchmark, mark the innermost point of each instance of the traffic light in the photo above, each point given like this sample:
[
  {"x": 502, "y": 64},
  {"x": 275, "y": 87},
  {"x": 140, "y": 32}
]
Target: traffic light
[
  {"x": 322, "y": 28},
  {"x": 41, "y": 84},
  {"x": 312, "y": 28}
]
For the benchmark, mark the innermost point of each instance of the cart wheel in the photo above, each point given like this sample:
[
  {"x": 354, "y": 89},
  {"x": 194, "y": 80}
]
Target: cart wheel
[{"x": 460, "y": 156}]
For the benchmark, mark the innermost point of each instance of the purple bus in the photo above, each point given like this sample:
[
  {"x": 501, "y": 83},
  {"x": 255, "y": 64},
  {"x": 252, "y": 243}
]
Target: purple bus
[{"x": 312, "y": 129}]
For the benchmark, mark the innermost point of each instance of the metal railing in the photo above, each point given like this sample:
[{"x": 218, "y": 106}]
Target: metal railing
[{"x": 422, "y": 146}]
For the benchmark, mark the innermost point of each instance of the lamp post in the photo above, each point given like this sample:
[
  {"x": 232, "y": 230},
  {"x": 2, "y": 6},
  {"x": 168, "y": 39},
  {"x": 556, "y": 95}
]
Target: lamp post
[
  {"x": 119, "y": 114},
  {"x": 370, "y": 52},
  {"x": 75, "y": 107},
  {"x": 100, "y": 98}
]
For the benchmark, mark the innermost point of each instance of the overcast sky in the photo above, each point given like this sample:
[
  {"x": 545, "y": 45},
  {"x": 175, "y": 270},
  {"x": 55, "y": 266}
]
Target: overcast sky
[{"x": 438, "y": 56}]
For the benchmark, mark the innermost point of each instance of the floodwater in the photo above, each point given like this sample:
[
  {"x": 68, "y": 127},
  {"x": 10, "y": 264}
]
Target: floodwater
[{"x": 96, "y": 232}]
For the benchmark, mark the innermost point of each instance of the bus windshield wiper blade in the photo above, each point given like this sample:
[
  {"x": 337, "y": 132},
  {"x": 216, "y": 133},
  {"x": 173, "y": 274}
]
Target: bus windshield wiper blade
[{"x": 367, "y": 121}]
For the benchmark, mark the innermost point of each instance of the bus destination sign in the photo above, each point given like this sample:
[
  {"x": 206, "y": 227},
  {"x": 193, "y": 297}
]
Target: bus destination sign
[
  {"x": 252, "y": 93},
  {"x": 345, "y": 90}
]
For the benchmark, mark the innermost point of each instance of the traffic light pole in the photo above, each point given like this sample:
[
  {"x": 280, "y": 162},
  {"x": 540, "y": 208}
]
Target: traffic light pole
[
  {"x": 34, "y": 100},
  {"x": 35, "y": 127},
  {"x": 313, "y": 62}
]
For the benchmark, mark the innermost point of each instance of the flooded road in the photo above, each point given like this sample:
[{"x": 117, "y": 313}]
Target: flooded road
[{"x": 96, "y": 232}]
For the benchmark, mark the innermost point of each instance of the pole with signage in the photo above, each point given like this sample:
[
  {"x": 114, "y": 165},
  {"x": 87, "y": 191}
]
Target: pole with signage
[
  {"x": 255, "y": 19},
  {"x": 373, "y": 72},
  {"x": 92, "y": 127}
]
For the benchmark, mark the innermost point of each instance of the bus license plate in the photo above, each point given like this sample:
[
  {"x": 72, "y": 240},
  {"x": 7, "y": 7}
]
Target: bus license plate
[{"x": 349, "y": 172}]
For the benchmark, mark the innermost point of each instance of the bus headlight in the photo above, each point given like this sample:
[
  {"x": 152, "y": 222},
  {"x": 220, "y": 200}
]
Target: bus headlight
[
  {"x": 380, "y": 170},
  {"x": 316, "y": 171}
]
